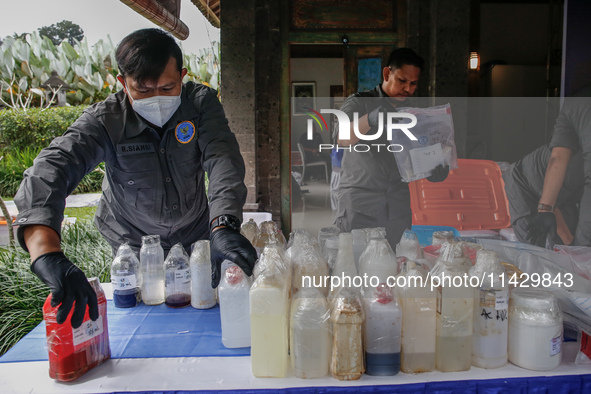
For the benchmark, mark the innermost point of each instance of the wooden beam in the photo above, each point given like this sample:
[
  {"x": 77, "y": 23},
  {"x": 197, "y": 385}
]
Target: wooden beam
[{"x": 354, "y": 38}]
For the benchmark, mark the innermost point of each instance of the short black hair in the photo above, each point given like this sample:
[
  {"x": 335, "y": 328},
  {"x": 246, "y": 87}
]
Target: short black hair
[
  {"x": 405, "y": 56},
  {"x": 144, "y": 54}
]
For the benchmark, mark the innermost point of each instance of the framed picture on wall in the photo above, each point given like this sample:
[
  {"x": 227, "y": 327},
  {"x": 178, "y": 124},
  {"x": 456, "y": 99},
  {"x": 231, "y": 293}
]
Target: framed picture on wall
[{"x": 303, "y": 95}]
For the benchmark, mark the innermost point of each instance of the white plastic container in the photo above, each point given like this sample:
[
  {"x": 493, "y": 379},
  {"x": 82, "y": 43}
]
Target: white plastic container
[
  {"x": 491, "y": 318},
  {"x": 269, "y": 325},
  {"x": 383, "y": 324},
  {"x": 418, "y": 302},
  {"x": 378, "y": 263},
  {"x": 152, "y": 270},
  {"x": 202, "y": 294},
  {"x": 347, "y": 343},
  {"x": 310, "y": 334},
  {"x": 233, "y": 293},
  {"x": 535, "y": 329}
]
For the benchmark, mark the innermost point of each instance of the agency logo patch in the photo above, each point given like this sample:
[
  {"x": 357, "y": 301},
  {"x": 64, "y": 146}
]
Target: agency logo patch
[{"x": 184, "y": 132}]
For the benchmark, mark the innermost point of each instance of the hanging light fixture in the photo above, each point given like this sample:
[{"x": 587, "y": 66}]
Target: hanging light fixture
[{"x": 474, "y": 60}]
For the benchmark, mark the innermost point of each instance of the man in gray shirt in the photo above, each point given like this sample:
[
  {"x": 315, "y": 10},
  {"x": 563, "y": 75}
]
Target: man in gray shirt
[{"x": 157, "y": 137}]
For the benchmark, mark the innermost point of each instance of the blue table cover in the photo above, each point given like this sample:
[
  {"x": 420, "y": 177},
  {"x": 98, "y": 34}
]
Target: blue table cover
[{"x": 145, "y": 332}]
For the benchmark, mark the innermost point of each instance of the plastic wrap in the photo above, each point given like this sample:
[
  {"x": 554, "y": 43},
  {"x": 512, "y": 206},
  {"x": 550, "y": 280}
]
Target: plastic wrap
[
  {"x": 308, "y": 268},
  {"x": 152, "y": 270},
  {"x": 435, "y": 143},
  {"x": 418, "y": 303},
  {"x": 326, "y": 233},
  {"x": 347, "y": 342},
  {"x": 441, "y": 237},
  {"x": 74, "y": 351},
  {"x": 331, "y": 250},
  {"x": 310, "y": 334},
  {"x": 451, "y": 254},
  {"x": 274, "y": 255},
  {"x": 202, "y": 294},
  {"x": 344, "y": 268},
  {"x": 378, "y": 262},
  {"x": 298, "y": 237},
  {"x": 374, "y": 232},
  {"x": 178, "y": 278},
  {"x": 580, "y": 256},
  {"x": 383, "y": 324},
  {"x": 535, "y": 329},
  {"x": 269, "y": 313},
  {"x": 491, "y": 301},
  {"x": 250, "y": 230},
  {"x": 409, "y": 246},
  {"x": 125, "y": 278},
  {"x": 233, "y": 294},
  {"x": 268, "y": 233}
]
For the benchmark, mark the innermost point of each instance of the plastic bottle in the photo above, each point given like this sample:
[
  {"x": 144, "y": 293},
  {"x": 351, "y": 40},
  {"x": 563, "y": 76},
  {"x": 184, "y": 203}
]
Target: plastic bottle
[
  {"x": 345, "y": 267},
  {"x": 268, "y": 233},
  {"x": 152, "y": 270},
  {"x": 331, "y": 249},
  {"x": 202, "y": 294},
  {"x": 74, "y": 351},
  {"x": 347, "y": 342},
  {"x": 491, "y": 323},
  {"x": 377, "y": 262},
  {"x": 250, "y": 230},
  {"x": 359, "y": 243},
  {"x": 535, "y": 329},
  {"x": 418, "y": 304},
  {"x": 409, "y": 246},
  {"x": 125, "y": 278},
  {"x": 375, "y": 232},
  {"x": 455, "y": 302},
  {"x": 326, "y": 233},
  {"x": 269, "y": 325},
  {"x": 233, "y": 294},
  {"x": 308, "y": 264},
  {"x": 178, "y": 278},
  {"x": 310, "y": 334},
  {"x": 383, "y": 324}
]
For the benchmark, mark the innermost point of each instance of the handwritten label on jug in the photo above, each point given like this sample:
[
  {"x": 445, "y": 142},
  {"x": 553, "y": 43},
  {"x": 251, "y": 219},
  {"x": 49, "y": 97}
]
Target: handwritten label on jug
[
  {"x": 123, "y": 282},
  {"x": 88, "y": 330},
  {"x": 182, "y": 277},
  {"x": 555, "y": 345},
  {"x": 502, "y": 302}
]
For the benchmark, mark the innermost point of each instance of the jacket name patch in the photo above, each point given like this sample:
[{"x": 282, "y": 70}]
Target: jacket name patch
[{"x": 134, "y": 149}]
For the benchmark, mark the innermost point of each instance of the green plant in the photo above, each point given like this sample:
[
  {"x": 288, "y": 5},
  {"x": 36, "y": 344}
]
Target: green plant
[{"x": 23, "y": 294}]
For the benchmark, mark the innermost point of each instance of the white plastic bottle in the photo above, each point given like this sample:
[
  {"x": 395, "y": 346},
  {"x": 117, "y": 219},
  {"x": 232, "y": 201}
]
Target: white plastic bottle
[
  {"x": 269, "y": 325},
  {"x": 310, "y": 334},
  {"x": 202, "y": 294},
  {"x": 383, "y": 323},
  {"x": 233, "y": 293},
  {"x": 347, "y": 342},
  {"x": 152, "y": 270},
  {"x": 491, "y": 317}
]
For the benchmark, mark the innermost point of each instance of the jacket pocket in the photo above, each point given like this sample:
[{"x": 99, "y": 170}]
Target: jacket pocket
[{"x": 138, "y": 188}]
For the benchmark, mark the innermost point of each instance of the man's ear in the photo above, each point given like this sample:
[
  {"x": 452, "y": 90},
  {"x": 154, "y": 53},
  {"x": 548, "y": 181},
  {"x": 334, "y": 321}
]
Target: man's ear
[
  {"x": 183, "y": 73},
  {"x": 122, "y": 80},
  {"x": 386, "y": 73}
]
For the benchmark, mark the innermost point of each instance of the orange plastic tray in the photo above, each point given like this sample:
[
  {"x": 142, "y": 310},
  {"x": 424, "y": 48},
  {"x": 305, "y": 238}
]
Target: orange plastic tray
[{"x": 471, "y": 198}]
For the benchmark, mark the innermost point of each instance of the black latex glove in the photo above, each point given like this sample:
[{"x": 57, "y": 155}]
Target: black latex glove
[
  {"x": 373, "y": 116},
  {"x": 543, "y": 223},
  {"x": 228, "y": 244},
  {"x": 439, "y": 174},
  {"x": 67, "y": 284}
]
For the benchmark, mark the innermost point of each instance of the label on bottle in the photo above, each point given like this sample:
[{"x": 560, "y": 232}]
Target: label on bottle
[
  {"x": 502, "y": 300},
  {"x": 555, "y": 345},
  {"x": 123, "y": 282},
  {"x": 497, "y": 299},
  {"x": 88, "y": 330},
  {"x": 182, "y": 277}
]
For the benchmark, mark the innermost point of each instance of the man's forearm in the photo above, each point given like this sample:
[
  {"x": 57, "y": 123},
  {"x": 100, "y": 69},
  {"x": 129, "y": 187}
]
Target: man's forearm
[
  {"x": 41, "y": 239},
  {"x": 555, "y": 175}
]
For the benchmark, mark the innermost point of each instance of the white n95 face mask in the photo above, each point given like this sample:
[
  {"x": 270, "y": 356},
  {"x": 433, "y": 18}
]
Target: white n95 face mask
[{"x": 157, "y": 109}]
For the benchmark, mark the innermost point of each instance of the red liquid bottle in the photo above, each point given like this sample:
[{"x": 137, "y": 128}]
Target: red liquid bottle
[{"x": 72, "y": 352}]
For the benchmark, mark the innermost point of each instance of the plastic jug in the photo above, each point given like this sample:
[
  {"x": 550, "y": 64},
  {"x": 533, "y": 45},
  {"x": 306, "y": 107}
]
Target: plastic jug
[
  {"x": 269, "y": 325},
  {"x": 308, "y": 268},
  {"x": 125, "y": 278},
  {"x": 491, "y": 317},
  {"x": 152, "y": 270},
  {"x": 178, "y": 278},
  {"x": 378, "y": 263},
  {"x": 233, "y": 294},
  {"x": 74, "y": 351},
  {"x": 359, "y": 243},
  {"x": 383, "y": 324},
  {"x": 268, "y": 233},
  {"x": 409, "y": 246},
  {"x": 344, "y": 267},
  {"x": 250, "y": 230},
  {"x": 202, "y": 294},
  {"x": 310, "y": 334}
]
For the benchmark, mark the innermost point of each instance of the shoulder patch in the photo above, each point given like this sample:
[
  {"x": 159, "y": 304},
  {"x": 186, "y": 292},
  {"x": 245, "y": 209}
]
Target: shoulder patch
[{"x": 184, "y": 132}]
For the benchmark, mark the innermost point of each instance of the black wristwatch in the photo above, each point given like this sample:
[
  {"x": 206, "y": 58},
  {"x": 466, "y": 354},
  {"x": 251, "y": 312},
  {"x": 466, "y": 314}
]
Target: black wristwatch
[{"x": 228, "y": 221}]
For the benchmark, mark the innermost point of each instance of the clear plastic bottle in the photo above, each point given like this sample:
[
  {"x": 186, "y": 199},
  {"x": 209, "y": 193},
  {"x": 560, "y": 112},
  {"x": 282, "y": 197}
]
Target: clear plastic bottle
[
  {"x": 250, "y": 230},
  {"x": 331, "y": 249},
  {"x": 202, "y": 294},
  {"x": 535, "y": 329},
  {"x": 347, "y": 341},
  {"x": 233, "y": 295},
  {"x": 308, "y": 264},
  {"x": 383, "y": 324},
  {"x": 269, "y": 325},
  {"x": 344, "y": 267},
  {"x": 178, "y": 278},
  {"x": 378, "y": 262},
  {"x": 491, "y": 320},
  {"x": 359, "y": 243},
  {"x": 455, "y": 302},
  {"x": 418, "y": 322},
  {"x": 152, "y": 270},
  {"x": 409, "y": 246},
  {"x": 310, "y": 334},
  {"x": 72, "y": 352},
  {"x": 125, "y": 278},
  {"x": 326, "y": 233},
  {"x": 268, "y": 233}
]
